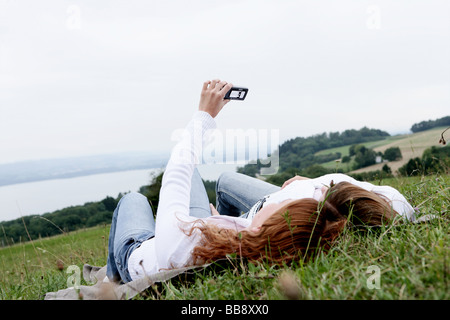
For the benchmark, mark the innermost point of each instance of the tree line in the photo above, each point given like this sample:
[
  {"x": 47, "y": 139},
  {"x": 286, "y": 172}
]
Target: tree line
[
  {"x": 430, "y": 124},
  {"x": 433, "y": 160},
  {"x": 299, "y": 154},
  {"x": 359, "y": 157},
  {"x": 298, "y": 157},
  {"x": 33, "y": 227}
]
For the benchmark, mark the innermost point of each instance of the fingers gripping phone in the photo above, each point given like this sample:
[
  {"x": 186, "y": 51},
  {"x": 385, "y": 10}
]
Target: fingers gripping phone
[{"x": 236, "y": 93}]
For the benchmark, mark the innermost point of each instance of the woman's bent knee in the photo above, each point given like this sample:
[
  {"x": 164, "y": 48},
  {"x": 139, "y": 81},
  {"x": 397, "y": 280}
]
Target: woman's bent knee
[
  {"x": 134, "y": 198},
  {"x": 226, "y": 178}
]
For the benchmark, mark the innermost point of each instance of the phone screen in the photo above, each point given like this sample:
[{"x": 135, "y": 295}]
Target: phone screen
[{"x": 237, "y": 94}]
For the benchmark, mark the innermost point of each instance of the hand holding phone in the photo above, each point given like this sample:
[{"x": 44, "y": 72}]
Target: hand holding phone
[{"x": 212, "y": 96}]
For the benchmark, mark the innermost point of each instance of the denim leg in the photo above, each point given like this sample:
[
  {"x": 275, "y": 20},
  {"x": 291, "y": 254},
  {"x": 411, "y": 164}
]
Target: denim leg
[
  {"x": 132, "y": 223},
  {"x": 199, "y": 203},
  {"x": 236, "y": 193},
  {"x": 111, "y": 269}
]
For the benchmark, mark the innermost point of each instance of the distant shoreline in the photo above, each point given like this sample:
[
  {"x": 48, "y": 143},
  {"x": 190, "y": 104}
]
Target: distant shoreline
[
  {"x": 45, "y": 196},
  {"x": 77, "y": 175},
  {"x": 49, "y": 195},
  {"x": 65, "y": 168}
]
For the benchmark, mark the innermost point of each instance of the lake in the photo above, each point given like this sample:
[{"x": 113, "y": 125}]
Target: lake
[{"x": 49, "y": 195}]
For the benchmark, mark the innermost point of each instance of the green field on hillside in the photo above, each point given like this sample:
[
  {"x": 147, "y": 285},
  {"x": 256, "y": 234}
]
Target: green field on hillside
[
  {"x": 411, "y": 146},
  {"x": 402, "y": 261}
]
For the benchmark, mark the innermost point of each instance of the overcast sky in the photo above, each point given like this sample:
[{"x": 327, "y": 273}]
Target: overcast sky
[{"x": 90, "y": 77}]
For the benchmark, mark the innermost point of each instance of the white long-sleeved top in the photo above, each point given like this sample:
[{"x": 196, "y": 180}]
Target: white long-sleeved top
[{"x": 171, "y": 247}]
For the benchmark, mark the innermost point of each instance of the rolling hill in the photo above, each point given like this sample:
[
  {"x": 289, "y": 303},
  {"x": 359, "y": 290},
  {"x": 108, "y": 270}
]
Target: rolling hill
[{"x": 411, "y": 146}]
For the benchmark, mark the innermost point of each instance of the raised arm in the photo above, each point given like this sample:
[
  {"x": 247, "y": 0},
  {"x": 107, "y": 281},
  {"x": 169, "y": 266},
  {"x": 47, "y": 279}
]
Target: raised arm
[{"x": 175, "y": 190}]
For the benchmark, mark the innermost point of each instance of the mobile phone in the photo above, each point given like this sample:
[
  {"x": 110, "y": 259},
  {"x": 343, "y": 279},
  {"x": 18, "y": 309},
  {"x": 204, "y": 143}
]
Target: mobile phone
[{"x": 236, "y": 93}]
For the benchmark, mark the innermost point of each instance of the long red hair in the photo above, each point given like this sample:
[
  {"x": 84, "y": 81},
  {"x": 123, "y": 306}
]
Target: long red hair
[{"x": 295, "y": 231}]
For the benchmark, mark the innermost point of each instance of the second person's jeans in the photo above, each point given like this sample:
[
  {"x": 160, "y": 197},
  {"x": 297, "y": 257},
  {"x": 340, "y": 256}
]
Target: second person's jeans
[{"x": 236, "y": 193}]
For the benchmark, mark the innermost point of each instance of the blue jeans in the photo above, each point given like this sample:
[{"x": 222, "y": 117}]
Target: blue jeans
[
  {"x": 133, "y": 223},
  {"x": 236, "y": 193}
]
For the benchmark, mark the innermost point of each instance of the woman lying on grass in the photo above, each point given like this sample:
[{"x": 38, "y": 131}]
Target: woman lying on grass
[{"x": 278, "y": 225}]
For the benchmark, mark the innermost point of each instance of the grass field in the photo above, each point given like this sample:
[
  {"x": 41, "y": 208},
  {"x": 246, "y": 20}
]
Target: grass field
[
  {"x": 29, "y": 270},
  {"x": 404, "y": 261}
]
